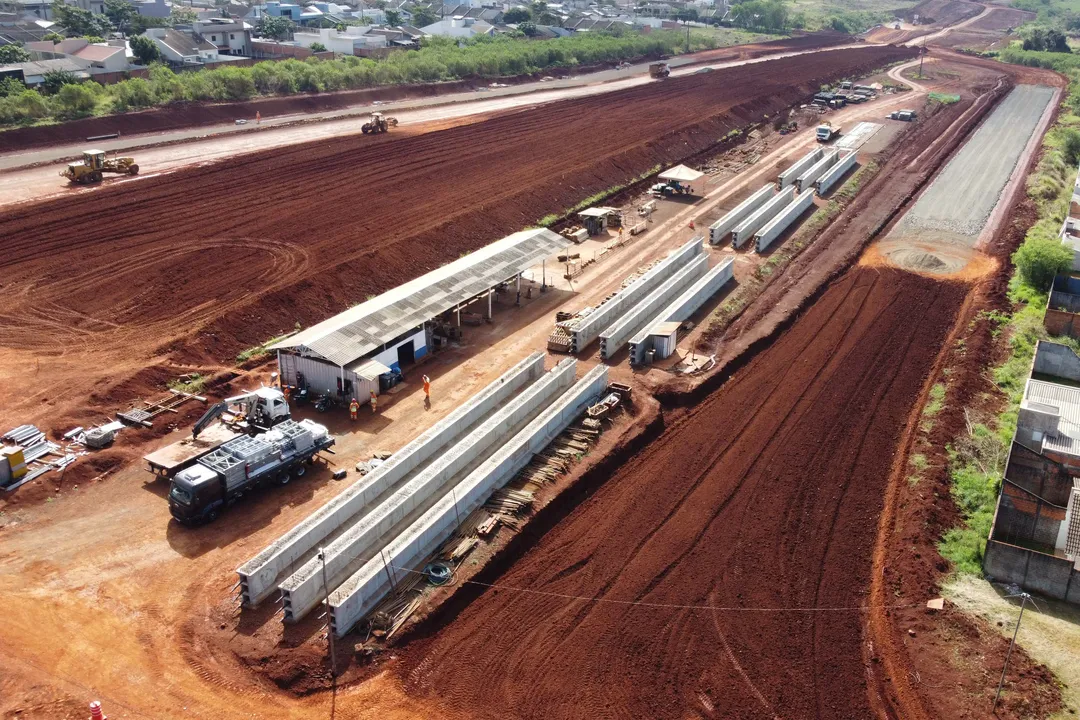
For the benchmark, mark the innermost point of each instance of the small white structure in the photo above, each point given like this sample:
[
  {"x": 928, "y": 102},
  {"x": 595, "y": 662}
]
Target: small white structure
[{"x": 687, "y": 177}]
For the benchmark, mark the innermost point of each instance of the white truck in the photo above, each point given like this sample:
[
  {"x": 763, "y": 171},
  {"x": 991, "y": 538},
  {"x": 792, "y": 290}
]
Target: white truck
[
  {"x": 217, "y": 480},
  {"x": 826, "y": 132}
]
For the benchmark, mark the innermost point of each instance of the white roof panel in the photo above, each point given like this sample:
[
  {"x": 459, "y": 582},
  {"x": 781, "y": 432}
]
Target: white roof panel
[
  {"x": 681, "y": 173},
  {"x": 1067, "y": 400},
  {"x": 351, "y": 335}
]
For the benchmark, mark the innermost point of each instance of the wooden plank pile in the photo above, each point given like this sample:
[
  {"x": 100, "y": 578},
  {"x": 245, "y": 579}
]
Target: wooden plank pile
[{"x": 151, "y": 409}]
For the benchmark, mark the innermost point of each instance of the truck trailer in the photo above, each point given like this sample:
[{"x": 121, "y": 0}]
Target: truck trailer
[{"x": 218, "y": 479}]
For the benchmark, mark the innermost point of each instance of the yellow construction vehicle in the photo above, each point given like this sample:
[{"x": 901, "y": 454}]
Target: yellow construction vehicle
[
  {"x": 378, "y": 124},
  {"x": 94, "y": 163}
]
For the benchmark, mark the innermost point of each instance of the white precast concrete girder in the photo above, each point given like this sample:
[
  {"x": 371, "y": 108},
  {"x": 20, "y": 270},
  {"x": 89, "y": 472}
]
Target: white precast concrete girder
[{"x": 719, "y": 229}]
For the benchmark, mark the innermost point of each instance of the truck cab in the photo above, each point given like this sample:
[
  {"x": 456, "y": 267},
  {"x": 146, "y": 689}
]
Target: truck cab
[
  {"x": 826, "y": 132},
  {"x": 197, "y": 495}
]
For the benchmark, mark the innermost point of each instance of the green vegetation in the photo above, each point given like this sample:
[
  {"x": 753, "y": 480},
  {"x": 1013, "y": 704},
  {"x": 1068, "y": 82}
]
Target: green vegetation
[
  {"x": 440, "y": 59},
  {"x": 549, "y": 220},
  {"x": 145, "y": 50},
  {"x": 13, "y": 54},
  {"x": 193, "y": 384},
  {"x": 259, "y": 350},
  {"x": 943, "y": 98}
]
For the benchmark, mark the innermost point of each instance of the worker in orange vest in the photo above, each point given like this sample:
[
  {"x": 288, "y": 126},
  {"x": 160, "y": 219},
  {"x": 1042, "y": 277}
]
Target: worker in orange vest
[
  {"x": 691, "y": 224},
  {"x": 373, "y": 401},
  {"x": 354, "y": 407},
  {"x": 258, "y": 117},
  {"x": 427, "y": 391}
]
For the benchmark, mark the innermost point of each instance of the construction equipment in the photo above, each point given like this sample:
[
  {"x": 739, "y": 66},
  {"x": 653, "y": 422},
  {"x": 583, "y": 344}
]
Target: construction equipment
[
  {"x": 94, "y": 163},
  {"x": 905, "y": 115},
  {"x": 378, "y": 124},
  {"x": 220, "y": 478},
  {"x": 659, "y": 70},
  {"x": 251, "y": 413},
  {"x": 826, "y": 131}
]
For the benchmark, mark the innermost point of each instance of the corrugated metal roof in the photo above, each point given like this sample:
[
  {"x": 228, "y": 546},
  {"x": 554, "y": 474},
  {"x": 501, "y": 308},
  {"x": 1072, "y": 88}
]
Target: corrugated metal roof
[
  {"x": 354, "y": 333},
  {"x": 1067, "y": 400}
]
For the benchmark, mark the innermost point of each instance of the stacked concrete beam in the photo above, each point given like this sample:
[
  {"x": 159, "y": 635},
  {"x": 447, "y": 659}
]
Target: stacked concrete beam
[
  {"x": 612, "y": 339},
  {"x": 685, "y": 306},
  {"x": 302, "y": 590},
  {"x": 260, "y": 575},
  {"x": 720, "y": 229},
  {"x": 806, "y": 180},
  {"x": 833, "y": 174},
  {"x": 367, "y": 586},
  {"x": 762, "y": 215},
  {"x": 590, "y": 327},
  {"x": 780, "y": 223},
  {"x": 805, "y": 163}
]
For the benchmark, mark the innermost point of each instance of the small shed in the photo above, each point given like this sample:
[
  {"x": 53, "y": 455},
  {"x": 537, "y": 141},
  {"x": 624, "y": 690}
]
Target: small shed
[
  {"x": 665, "y": 337},
  {"x": 686, "y": 177},
  {"x": 597, "y": 218}
]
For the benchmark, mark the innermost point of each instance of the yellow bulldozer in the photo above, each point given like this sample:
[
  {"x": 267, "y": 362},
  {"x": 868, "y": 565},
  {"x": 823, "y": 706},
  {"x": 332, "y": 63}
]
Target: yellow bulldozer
[
  {"x": 378, "y": 124},
  {"x": 94, "y": 163}
]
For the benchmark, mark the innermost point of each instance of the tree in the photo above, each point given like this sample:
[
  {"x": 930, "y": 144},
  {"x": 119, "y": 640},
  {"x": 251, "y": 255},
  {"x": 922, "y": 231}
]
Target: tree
[
  {"x": 10, "y": 86},
  {"x": 140, "y": 23},
  {"x": 1041, "y": 258},
  {"x": 13, "y": 54},
  {"x": 393, "y": 18},
  {"x": 145, "y": 49},
  {"x": 181, "y": 15},
  {"x": 687, "y": 15},
  {"x": 53, "y": 37},
  {"x": 317, "y": 47},
  {"x": 278, "y": 28},
  {"x": 120, "y": 12},
  {"x": 424, "y": 17},
  {"x": 517, "y": 15},
  {"x": 79, "y": 22},
  {"x": 76, "y": 100},
  {"x": 547, "y": 18},
  {"x": 528, "y": 28},
  {"x": 54, "y": 80}
]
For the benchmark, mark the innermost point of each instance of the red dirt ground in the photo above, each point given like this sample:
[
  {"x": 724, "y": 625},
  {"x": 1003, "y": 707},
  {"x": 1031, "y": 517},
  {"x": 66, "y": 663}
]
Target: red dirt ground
[
  {"x": 103, "y": 281},
  {"x": 771, "y": 493},
  {"x": 176, "y": 117}
]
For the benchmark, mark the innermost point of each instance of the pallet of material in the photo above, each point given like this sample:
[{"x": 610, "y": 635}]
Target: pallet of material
[{"x": 560, "y": 340}]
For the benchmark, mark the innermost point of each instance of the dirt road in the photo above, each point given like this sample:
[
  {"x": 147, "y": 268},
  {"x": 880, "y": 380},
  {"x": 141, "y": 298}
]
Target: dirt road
[
  {"x": 139, "y": 276},
  {"x": 734, "y": 591}
]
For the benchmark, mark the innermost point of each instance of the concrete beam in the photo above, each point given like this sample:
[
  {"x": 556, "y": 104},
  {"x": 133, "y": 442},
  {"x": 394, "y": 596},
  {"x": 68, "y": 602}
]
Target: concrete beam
[
  {"x": 720, "y": 229},
  {"x": 302, "y": 590},
  {"x": 762, "y": 215},
  {"x": 685, "y": 306},
  {"x": 780, "y": 223},
  {"x": 806, "y": 180},
  {"x": 590, "y": 327},
  {"x": 259, "y": 575},
  {"x": 803, "y": 164},
  {"x": 612, "y": 339},
  {"x": 367, "y": 586},
  {"x": 833, "y": 174}
]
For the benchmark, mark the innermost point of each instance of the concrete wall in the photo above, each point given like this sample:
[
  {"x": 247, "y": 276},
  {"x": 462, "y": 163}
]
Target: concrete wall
[
  {"x": 720, "y": 229},
  {"x": 776, "y": 227},
  {"x": 1058, "y": 322},
  {"x": 831, "y": 176},
  {"x": 685, "y": 306},
  {"x": 816, "y": 170},
  {"x": 363, "y": 591},
  {"x": 590, "y": 328},
  {"x": 301, "y": 590},
  {"x": 1051, "y": 576},
  {"x": 748, "y": 227},
  {"x": 1056, "y": 360},
  {"x": 617, "y": 335},
  {"x": 259, "y": 576},
  {"x": 787, "y": 177}
]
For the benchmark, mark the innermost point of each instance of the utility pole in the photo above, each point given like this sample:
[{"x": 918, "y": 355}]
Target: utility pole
[
  {"x": 329, "y": 629},
  {"x": 922, "y": 54},
  {"x": 688, "y": 35},
  {"x": 1024, "y": 597}
]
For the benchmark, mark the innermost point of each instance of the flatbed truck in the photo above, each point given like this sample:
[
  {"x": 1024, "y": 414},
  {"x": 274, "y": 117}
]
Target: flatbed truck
[{"x": 199, "y": 493}]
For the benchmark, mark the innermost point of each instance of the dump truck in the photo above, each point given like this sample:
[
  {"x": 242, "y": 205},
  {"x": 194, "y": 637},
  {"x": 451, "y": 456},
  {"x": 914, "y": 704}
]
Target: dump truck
[
  {"x": 826, "y": 132},
  {"x": 659, "y": 70},
  {"x": 247, "y": 414},
  {"x": 217, "y": 480},
  {"x": 94, "y": 163},
  {"x": 378, "y": 124}
]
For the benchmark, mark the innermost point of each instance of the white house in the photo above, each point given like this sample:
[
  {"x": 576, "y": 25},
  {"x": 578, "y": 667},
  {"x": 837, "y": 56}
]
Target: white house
[
  {"x": 99, "y": 56},
  {"x": 348, "y": 42},
  {"x": 182, "y": 48},
  {"x": 459, "y": 27},
  {"x": 230, "y": 37}
]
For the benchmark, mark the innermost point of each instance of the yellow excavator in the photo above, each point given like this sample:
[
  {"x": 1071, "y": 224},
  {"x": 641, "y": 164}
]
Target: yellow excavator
[
  {"x": 378, "y": 124},
  {"x": 94, "y": 164}
]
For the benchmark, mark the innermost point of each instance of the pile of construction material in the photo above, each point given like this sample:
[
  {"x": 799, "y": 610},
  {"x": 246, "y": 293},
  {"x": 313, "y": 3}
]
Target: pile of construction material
[{"x": 27, "y": 454}]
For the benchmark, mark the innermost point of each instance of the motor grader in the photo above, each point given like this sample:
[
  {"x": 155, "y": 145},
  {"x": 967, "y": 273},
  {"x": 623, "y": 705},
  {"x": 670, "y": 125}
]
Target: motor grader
[
  {"x": 94, "y": 163},
  {"x": 378, "y": 124}
]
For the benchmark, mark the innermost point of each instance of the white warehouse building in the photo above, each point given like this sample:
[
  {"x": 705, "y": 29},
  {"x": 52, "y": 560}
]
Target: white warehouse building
[{"x": 347, "y": 354}]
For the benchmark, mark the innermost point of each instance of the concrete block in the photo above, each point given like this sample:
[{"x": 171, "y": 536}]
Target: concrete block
[
  {"x": 748, "y": 227},
  {"x": 259, "y": 576},
  {"x": 367, "y": 586},
  {"x": 619, "y": 332},
  {"x": 720, "y": 229},
  {"x": 776, "y": 227},
  {"x": 1056, "y": 360},
  {"x": 301, "y": 590}
]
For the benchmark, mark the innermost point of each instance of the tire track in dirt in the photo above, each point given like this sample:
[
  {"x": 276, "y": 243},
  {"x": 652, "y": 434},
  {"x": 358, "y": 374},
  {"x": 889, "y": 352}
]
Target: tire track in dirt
[{"x": 782, "y": 516}]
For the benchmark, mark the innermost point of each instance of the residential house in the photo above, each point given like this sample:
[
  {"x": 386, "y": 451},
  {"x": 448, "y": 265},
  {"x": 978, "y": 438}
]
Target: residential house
[
  {"x": 33, "y": 73},
  {"x": 1070, "y": 229},
  {"x": 97, "y": 57},
  {"x": 153, "y": 8},
  {"x": 230, "y": 37},
  {"x": 398, "y": 36},
  {"x": 458, "y": 27},
  {"x": 95, "y": 6},
  {"x": 346, "y": 42},
  {"x": 182, "y": 48},
  {"x": 32, "y": 9},
  {"x": 19, "y": 32},
  {"x": 274, "y": 8},
  {"x": 491, "y": 15}
]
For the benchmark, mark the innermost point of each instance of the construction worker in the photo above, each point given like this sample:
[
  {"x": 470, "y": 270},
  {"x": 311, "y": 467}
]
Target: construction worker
[
  {"x": 258, "y": 117},
  {"x": 374, "y": 401},
  {"x": 691, "y": 224},
  {"x": 354, "y": 407},
  {"x": 427, "y": 388}
]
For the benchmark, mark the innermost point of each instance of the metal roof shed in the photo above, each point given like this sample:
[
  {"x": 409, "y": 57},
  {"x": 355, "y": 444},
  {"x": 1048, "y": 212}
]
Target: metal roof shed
[{"x": 353, "y": 334}]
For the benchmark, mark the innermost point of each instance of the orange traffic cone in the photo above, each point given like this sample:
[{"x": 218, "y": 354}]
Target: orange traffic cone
[
  {"x": 691, "y": 224},
  {"x": 95, "y": 711}
]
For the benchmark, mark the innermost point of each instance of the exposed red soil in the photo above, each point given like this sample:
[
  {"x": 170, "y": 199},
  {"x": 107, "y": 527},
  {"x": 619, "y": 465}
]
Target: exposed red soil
[
  {"x": 942, "y": 12},
  {"x": 149, "y": 275},
  {"x": 190, "y": 115},
  {"x": 771, "y": 490},
  {"x": 989, "y": 32}
]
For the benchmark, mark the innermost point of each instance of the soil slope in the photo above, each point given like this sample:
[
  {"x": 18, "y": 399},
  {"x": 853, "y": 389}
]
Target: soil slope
[{"x": 764, "y": 498}]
